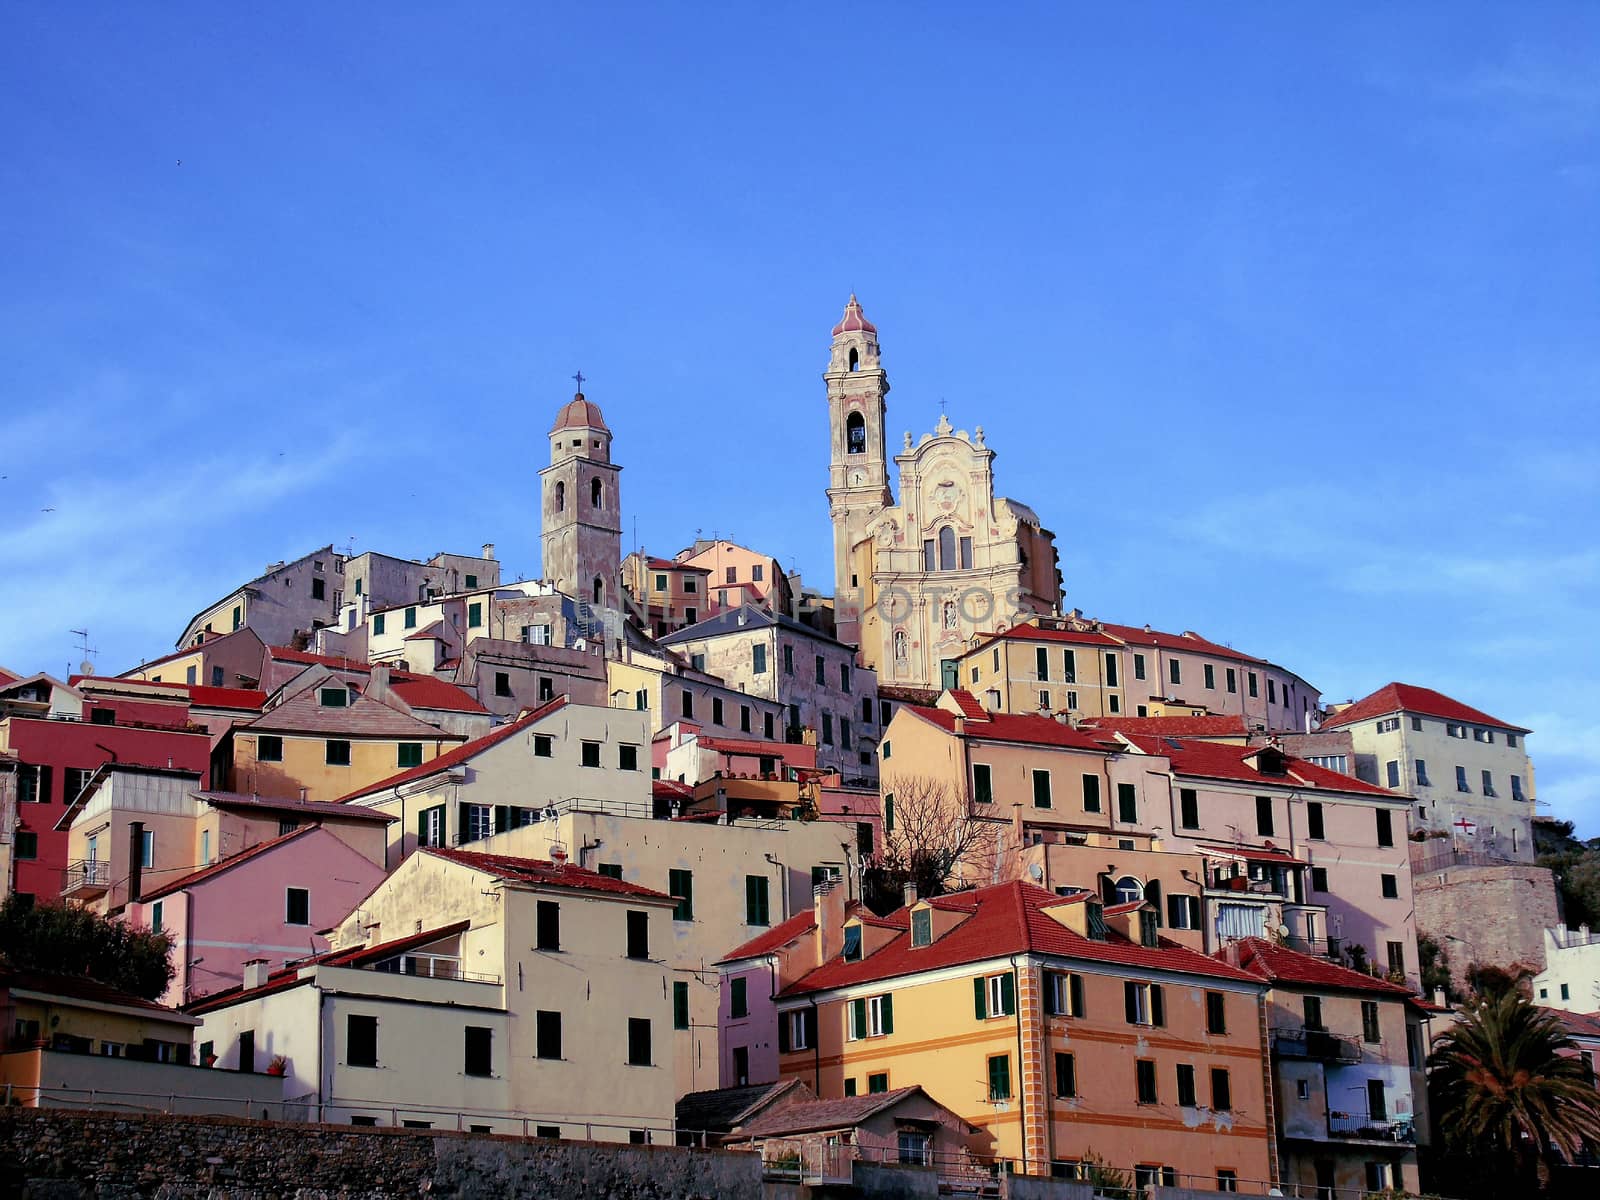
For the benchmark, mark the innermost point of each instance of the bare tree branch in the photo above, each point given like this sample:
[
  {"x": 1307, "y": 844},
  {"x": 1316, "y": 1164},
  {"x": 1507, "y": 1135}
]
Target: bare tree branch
[{"x": 936, "y": 842}]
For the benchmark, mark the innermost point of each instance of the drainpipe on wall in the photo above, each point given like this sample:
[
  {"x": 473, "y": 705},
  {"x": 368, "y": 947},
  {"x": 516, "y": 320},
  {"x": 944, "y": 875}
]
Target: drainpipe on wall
[
  {"x": 816, "y": 1051},
  {"x": 1022, "y": 1069},
  {"x": 135, "y": 860}
]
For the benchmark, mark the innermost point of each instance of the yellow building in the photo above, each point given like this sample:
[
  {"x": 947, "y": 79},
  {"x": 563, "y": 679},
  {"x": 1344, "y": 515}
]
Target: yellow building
[{"x": 1060, "y": 1028}]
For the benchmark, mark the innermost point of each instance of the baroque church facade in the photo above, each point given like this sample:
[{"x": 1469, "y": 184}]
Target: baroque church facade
[{"x": 915, "y": 580}]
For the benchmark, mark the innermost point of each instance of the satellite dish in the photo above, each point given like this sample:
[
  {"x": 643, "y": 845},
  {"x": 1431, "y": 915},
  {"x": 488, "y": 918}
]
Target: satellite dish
[
  {"x": 1283, "y": 931},
  {"x": 1036, "y": 871},
  {"x": 86, "y": 667}
]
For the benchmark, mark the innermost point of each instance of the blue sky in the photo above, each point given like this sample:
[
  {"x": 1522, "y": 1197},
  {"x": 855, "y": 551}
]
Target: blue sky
[{"x": 1284, "y": 322}]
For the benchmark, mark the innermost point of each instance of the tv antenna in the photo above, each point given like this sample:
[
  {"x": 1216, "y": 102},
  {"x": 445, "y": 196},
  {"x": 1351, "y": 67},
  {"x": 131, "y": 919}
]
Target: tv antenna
[{"x": 86, "y": 667}]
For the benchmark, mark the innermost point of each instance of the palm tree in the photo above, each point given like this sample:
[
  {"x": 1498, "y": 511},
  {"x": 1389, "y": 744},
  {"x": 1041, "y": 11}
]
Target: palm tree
[{"x": 1507, "y": 1099}]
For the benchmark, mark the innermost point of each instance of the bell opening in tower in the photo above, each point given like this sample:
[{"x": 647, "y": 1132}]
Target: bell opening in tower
[
  {"x": 855, "y": 359},
  {"x": 855, "y": 432}
]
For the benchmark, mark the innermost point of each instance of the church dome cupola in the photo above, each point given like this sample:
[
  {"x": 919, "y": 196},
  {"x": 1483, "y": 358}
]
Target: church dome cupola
[
  {"x": 855, "y": 341},
  {"x": 580, "y": 413},
  {"x": 854, "y": 320},
  {"x": 580, "y": 431}
]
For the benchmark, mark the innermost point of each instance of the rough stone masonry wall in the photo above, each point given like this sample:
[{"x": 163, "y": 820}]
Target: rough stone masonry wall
[{"x": 1500, "y": 913}]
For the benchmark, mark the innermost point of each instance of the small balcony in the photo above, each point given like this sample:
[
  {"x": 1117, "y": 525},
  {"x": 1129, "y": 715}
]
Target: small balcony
[
  {"x": 1315, "y": 1044},
  {"x": 87, "y": 879},
  {"x": 1371, "y": 1127}
]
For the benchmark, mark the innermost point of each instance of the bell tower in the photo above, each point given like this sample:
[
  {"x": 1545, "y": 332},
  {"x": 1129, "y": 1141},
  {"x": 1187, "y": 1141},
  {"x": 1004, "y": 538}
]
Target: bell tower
[
  {"x": 581, "y": 508},
  {"x": 858, "y": 468}
]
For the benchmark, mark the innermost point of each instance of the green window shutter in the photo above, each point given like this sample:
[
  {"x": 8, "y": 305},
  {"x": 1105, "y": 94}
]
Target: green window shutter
[
  {"x": 755, "y": 900},
  {"x": 1158, "y": 1007},
  {"x": 1075, "y": 989},
  {"x": 887, "y": 1009},
  {"x": 809, "y": 1021},
  {"x": 850, "y": 1086},
  {"x": 982, "y": 785},
  {"x": 680, "y": 1005},
  {"x": 979, "y": 998},
  {"x": 1152, "y": 893},
  {"x": 858, "y": 1017},
  {"x": 888, "y": 812},
  {"x": 783, "y": 1033},
  {"x": 1008, "y": 995},
  {"x": 1130, "y": 1001},
  {"x": 422, "y": 828}
]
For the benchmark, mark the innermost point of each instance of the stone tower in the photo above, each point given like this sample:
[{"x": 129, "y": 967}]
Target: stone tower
[
  {"x": 858, "y": 469},
  {"x": 581, "y": 507}
]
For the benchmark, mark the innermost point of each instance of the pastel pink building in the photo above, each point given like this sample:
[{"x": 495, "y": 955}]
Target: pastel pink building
[
  {"x": 747, "y": 1011},
  {"x": 267, "y": 902}
]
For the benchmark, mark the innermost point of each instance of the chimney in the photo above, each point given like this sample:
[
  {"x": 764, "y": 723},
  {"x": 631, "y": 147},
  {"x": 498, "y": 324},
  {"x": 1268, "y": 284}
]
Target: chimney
[
  {"x": 960, "y": 726},
  {"x": 827, "y": 906},
  {"x": 1231, "y": 953},
  {"x": 1439, "y": 997},
  {"x": 255, "y": 973},
  {"x": 135, "y": 860},
  {"x": 488, "y": 550},
  {"x": 909, "y": 895}
]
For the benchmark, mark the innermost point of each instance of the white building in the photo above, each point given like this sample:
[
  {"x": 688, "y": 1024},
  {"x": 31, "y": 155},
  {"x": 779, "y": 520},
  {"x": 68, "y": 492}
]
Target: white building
[{"x": 1571, "y": 978}]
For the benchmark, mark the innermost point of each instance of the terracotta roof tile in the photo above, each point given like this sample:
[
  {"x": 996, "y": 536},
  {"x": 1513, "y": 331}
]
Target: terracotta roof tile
[
  {"x": 363, "y": 717},
  {"x": 76, "y": 987},
  {"x": 280, "y": 804},
  {"x": 1038, "y": 633},
  {"x": 1027, "y": 730},
  {"x": 1217, "y": 760},
  {"x": 814, "y": 1116},
  {"x": 247, "y": 699},
  {"x": 1188, "y": 642},
  {"x": 1226, "y": 725},
  {"x": 779, "y": 935},
  {"x": 1279, "y": 964},
  {"x": 427, "y": 691},
  {"x": 338, "y": 662},
  {"x": 543, "y": 874},
  {"x": 1408, "y": 698}
]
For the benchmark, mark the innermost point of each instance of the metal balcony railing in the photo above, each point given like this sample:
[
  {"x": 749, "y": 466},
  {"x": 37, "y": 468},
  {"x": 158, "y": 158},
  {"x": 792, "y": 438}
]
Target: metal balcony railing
[
  {"x": 86, "y": 877},
  {"x": 1315, "y": 1044}
]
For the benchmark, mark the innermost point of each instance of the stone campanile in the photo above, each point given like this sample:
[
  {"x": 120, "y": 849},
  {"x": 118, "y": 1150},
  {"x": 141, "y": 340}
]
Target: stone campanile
[
  {"x": 858, "y": 468},
  {"x": 581, "y": 507}
]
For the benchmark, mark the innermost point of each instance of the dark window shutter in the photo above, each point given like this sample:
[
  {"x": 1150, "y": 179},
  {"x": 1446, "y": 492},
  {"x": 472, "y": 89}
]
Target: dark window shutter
[
  {"x": 1158, "y": 1007},
  {"x": 1050, "y": 979},
  {"x": 1008, "y": 995},
  {"x": 1175, "y": 911},
  {"x": 809, "y": 1023},
  {"x": 979, "y": 999},
  {"x": 1152, "y": 893},
  {"x": 1108, "y": 889},
  {"x": 1075, "y": 987},
  {"x": 422, "y": 828},
  {"x": 888, "y": 1014},
  {"x": 463, "y": 824},
  {"x": 46, "y": 796},
  {"x": 1130, "y": 1001},
  {"x": 502, "y": 818},
  {"x": 783, "y": 1033},
  {"x": 858, "y": 1012}
]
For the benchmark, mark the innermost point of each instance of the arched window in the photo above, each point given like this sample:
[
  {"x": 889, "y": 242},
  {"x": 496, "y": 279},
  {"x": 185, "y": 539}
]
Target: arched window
[
  {"x": 599, "y": 590},
  {"x": 1128, "y": 890},
  {"x": 594, "y": 493},
  {"x": 855, "y": 434},
  {"x": 947, "y": 549},
  {"x": 855, "y": 359},
  {"x": 561, "y": 496}
]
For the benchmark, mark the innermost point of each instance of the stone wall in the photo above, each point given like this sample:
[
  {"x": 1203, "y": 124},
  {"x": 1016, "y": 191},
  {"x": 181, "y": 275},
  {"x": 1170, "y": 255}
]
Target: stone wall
[{"x": 1499, "y": 914}]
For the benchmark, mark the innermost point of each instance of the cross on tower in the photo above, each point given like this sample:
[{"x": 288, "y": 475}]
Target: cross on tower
[{"x": 579, "y": 378}]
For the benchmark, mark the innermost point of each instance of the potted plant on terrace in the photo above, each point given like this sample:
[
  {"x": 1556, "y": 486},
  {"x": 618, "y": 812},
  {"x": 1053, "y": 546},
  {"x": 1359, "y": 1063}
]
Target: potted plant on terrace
[{"x": 278, "y": 1065}]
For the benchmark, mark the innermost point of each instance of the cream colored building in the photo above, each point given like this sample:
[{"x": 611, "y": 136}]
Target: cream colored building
[
  {"x": 666, "y": 691},
  {"x": 474, "y": 991},
  {"x": 915, "y": 580},
  {"x": 1469, "y": 773}
]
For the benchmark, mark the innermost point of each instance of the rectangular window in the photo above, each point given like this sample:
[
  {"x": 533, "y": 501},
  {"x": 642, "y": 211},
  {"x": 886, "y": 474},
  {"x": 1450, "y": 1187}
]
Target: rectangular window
[
  {"x": 1272, "y": 690},
  {"x": 147, "y": 849},
  {"x": 360, "y": 1041},
  {"x": 921, "y": 927},
  {"x": 1385, "y": 827},
  {"x": 1186, "y": 1094},
  {"x": 999, "y": 1077},
  {"x": 1091, "y": 793},
  {"x": 1391, "y": 770},
  {"x": 548, "y": 925},
  {"x": 1188, "y": 808},
  {"x": 844, "y": 677},
  {"x": 1461, "y": 780},
  {"x": 318, "y": 589},
  {"x": 680, "y": 886},
  {"x": 476, "y": 821},
  {"x": 877, "y": 1083},
  {"x": 1111, "y": 669},
  {"x": 1145, "y": 1003},
  {"x": 1250, "y": 679},
  {"x": 680, "y": 1002},
  {"x": 1041, "y": 789},
  {"x": 1174, "y": 671},
  {"x": 27, "y": 846},
  {"x": 1216, "y": 1013},
  {"x": 738, "y": 998},
  {"x": 1221, "y": 1090},
  {"x": 1066, "y": 1076},
  {"x": 609, "y": 870},
  {"x": 1312, "y": 1007},
  {"x": 408, "y": 754},
  {"x": 1183, "y": 912},
  {"x": 994, "y": 996},
  {"x": 1397, "y": 957},
  {"x": 982, "y": 784},
  {"x": 1211, "y": 677},
  {"x": 411, "y": 617},
  {"x": 716, "y": 710},
  {"x": 474, "y": 615},
  {"x": 627, "y": 758},
  {"x": 1391, "y": 887},
  {"x": 638, "y": 934},
  {"x": 827, "y": 729},
  {"x": 1319, "y": 879},
  {"x": 1041, "y": 664},
  {"x": 543, "y": 745},
  {"x": 686, "y": 704},
  {"x": 1233, "y": 681},
  {"x": 333, "y": 697},
  {"x": 1488, "y": 784},
  {"x": 269, "y": 748},
  {"x": 589, "y": 754},
  {"x": 1138, "y": 666},
  {"x": 1127, "y": 803},
  {"x": 297, "y": 907},
  {"x": 755, "y": 900},
  {"x": 1314, "y": 827},
  {"x": 1516, "y": 788},
  {"x": 477, "y": 1057},
  {"x": 547, "y": 1034},
  {"x": 744, "y": 718},
  {"x": 430, "y": 826},
  {"x": 639, "y": 1042},
  {"x": 1144, "y": 1076},
  {"x": 1264, "y": 816},
  {"x": 1370, "y": 1033},
  {"x": 871, "y": 1016},
  {"x": 338, "y": 753},
  {"x": 822, "y": 670}
]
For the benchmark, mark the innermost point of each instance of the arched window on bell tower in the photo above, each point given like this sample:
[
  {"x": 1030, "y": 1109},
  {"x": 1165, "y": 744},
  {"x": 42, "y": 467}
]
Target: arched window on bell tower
[
  {"x": 855, "y": 433},
  {"x": 947, "y": 549},
  {"x": 599, "y": 590},
  {"x": 855, "y": 359},
  {"x": 561, "y": 496},
  {"x": 594, "y": 493}
]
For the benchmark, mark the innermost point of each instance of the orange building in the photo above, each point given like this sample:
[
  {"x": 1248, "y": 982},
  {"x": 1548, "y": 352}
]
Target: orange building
[{"x": 1059, "y": 1027}]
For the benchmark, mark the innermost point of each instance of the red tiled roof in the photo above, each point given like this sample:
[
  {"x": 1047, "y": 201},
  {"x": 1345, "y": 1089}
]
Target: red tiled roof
[
  {"x": 106, "y": 683},
  {"x": 1028, "y": 730},
  {"x": 1208, "y": 726},
  {"x": 279, "y": 804},
  {"x": 543, "y": 874},
  {"x": 1217, "y": 760},
  {"x": 76, "y": 987},
  {"x": 1007, "y": 918},
  {"x": 337, "y": 662},
  {"x": 460, "y": 754},
  {"x": 227, "y": 864},
  {"x": 1279, "y": 964},
  {"x": 779, "y": 935},
  {"x": 426, "y": 691},
  {"x": 7, "y": 677},
  {"x": 1186, "y": 642},
  {"x": 969, "y": 705},
  {"x": 580, "y": 413},
  {"x": 356, "y": 956},
  {"x": 1408, "y": 698},
  {"x": 1039, "y": 633},
  {"x": 667, "y": 564},
  {"x": 1584, "y": 1025},
  {"x": 814, "y": 1116},
  {"x": 750, "y": 746},
  {"x": 671, "y": 789},
  {"x": 428, "y": 633},
  {"x": 222, "y": 697},
  {"x": 364, "y": 717}
]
